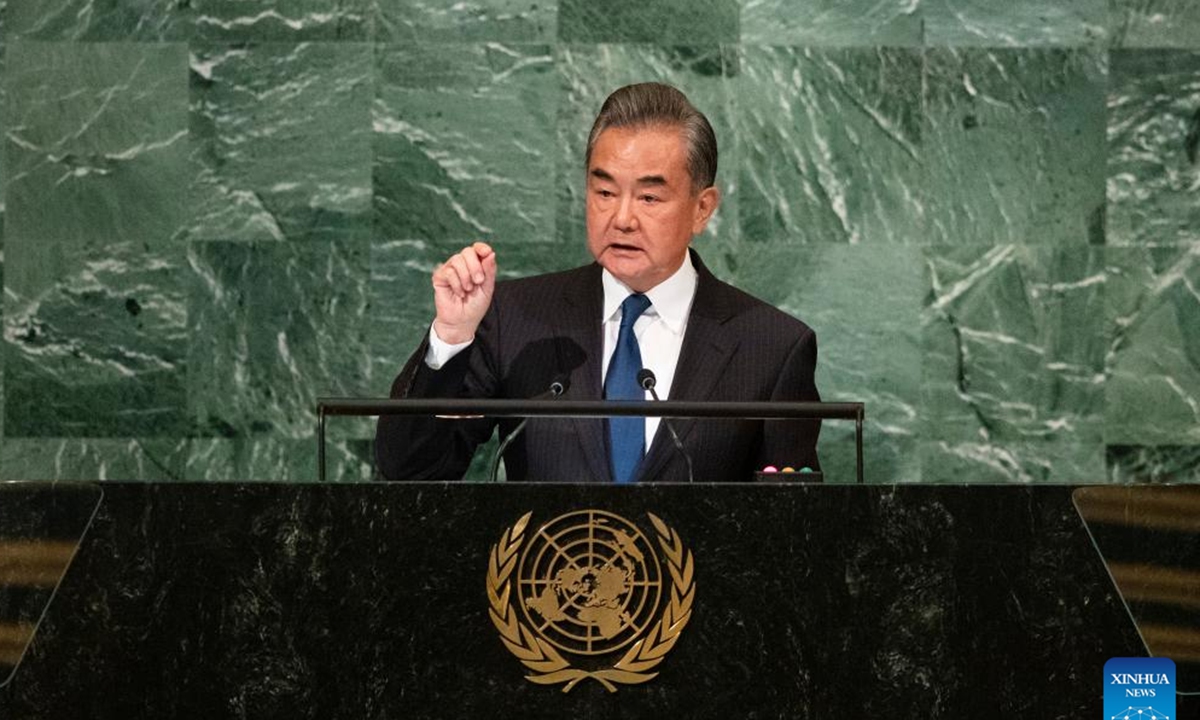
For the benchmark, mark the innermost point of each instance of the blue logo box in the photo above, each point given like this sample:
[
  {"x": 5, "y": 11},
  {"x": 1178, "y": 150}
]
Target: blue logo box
[{"x": 1139, "y": 689}]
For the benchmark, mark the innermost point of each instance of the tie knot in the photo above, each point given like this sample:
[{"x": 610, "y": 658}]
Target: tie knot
[{"x": 632, "y": 308}]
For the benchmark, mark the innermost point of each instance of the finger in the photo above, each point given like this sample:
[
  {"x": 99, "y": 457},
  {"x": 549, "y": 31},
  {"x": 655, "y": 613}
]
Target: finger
[
  {"x": 473, "y": 266},
  {"x": 482, "y": 249},
  {"x": 489, "y": 272},
  {"x": 458, "y": 264},
  {"x": 446, "y": 277}
]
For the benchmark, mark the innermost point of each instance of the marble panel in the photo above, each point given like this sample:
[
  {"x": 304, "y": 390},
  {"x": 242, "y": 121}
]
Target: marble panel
[
  {"x": 3, "y": 397},
  {"x": 1153, "y": 363},
  {"x": 830, "y": 145},
  {"x": 279, "y": 459},
  {"x": 1014, "y": 146},
  {"x": 96, "y": 137},
  {"x": 464, "y": 142},
  {"x": 3, "y": 109},
  {"x": 1016, "y": 23},
  {"x": 274, "y": 326},
  {"x": 1155, "y": 23},
  {"x": 855, "y": 23},
  {"x": 98, "y": 20},
  {"x": 664, "y": 22},
  {"x": 281, "y": 142},
  {"x": 153, "y": 459},
  {"x": 1154, "y": 463},
  {"x": 95, "y": 341},
  {"x": 1154, "y": 147},
  {"x": 869, "y": 351},
  {"x": 280, "y": 20},
  {"x": 408, "y": 21},
  {"x": 158, "y": 20},
  {"x": 588, "y": 74},
  {"x": 3, "y": 176},
  {"x": 1014, "y": 345}
]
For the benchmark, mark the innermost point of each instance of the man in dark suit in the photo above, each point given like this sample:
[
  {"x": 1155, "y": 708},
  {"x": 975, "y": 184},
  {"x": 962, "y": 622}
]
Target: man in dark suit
[{"x": 648, "y": 301}]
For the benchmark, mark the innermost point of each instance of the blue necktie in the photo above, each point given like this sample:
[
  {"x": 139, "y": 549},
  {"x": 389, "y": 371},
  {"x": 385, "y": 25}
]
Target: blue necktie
[{"x": 627, "y": 435}]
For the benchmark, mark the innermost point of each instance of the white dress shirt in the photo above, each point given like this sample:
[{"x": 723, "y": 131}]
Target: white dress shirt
[{"x": 659, "y": 330}]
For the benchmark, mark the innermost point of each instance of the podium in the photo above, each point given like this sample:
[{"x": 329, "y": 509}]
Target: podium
[{"x": 377, "y": 600}]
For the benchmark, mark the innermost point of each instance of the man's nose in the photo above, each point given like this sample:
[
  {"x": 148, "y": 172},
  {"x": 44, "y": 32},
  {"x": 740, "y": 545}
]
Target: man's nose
[{"x": 626, "y": 218}]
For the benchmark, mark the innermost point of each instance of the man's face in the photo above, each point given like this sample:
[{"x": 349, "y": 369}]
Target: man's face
[{"x": 641, "y": 211}]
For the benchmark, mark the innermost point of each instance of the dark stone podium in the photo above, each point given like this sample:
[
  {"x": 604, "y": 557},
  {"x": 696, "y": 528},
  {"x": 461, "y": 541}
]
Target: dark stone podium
[{"x": 371, "y": 601}]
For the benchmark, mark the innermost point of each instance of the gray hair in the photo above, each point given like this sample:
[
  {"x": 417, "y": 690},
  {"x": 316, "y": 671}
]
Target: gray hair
[{"x": 655, "y": 104}]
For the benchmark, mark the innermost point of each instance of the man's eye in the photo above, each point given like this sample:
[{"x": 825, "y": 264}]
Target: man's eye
[
  {"x": 605, "y": 193},
  {"x": 650, "y": 199}
]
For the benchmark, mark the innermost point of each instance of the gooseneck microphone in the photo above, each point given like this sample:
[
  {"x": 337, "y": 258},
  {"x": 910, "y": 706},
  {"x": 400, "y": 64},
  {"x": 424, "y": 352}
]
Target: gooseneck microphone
[
  {"x": 558, "y": 386},
  {"x": 646, "y": 379}
]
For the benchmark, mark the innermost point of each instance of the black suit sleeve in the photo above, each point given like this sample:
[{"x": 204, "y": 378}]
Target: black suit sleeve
[
  {"x": 428, "y": 448},
  {"x": 794, "y": 443}
]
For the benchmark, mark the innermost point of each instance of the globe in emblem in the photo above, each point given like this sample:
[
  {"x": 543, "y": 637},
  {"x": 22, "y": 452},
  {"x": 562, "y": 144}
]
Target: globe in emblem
[{"x": 589, "y": 582}]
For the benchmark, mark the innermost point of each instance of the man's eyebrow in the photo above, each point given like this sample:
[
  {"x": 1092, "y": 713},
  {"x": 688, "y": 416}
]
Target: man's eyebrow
[
  {"x": 652, "y": 180},
  {"x": 645, "y": 180}
]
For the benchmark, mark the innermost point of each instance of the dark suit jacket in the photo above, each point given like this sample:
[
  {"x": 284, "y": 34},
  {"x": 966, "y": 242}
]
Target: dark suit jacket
[{"x": 736, "y": 348}]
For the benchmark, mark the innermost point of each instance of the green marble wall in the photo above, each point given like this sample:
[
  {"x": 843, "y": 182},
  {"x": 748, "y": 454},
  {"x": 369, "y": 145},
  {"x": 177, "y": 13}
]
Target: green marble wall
[{"x": 216, "y": 211}]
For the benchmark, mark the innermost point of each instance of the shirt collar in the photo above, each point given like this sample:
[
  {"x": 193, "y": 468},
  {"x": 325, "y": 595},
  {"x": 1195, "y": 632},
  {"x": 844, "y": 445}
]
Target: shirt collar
[{"x": 671, "y": 299}]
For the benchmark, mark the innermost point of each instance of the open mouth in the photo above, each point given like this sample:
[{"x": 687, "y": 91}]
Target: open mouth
[{"x": 624, "y": 247}]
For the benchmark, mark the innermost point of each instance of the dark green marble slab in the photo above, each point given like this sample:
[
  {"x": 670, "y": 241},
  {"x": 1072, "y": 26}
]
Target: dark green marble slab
[
  {"x": 158, "y": 20},
  {"x": 1014, "y": 347},
  {"x": 151, "y": 459},
  {"x": 276, "y": 20},
  {"x": 464, "y": 142},
  {"x": 95, "y": 340},
  {"x": 1154, "y": 147},
  {"x": 588, "y": 74},
  {"x": 281, "y": 141},
  {"x": 3, "y": 177},
  {"x": 855, "y": 23},
  {"x": 3, "y": 395},
  {"x": 98, "y": 20},
  {"x": 1015, "y": 23},
  {"x": 1155, "y": 23},
  {"x": 265, "y": 459},
  {"x": 1154, "y": 463},
  {"x": 3, "y": 114},
  {"x": 831, "y": 145},
  {"x": 95, "y": 319},
  {"x": 96, "y": 137},
  {"x": 273, "y": 327},
  {"x": 663, "y": 22},
  {"x": 279, "y": 459},
  {"x": 868, "y": 351},
  {"x": 407, "y": 21},
  {"x": 1014, "y": 146},
  {"x": 1153, "y": 364}
]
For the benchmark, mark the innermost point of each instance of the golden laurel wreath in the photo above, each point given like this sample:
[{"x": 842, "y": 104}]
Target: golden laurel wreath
[{"x": 548, "y": 665}]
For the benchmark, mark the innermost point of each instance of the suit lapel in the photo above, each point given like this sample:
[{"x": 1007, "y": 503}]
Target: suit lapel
[
  {"x": 703, "y": 359},
  {"x": 581, "y": 322}
]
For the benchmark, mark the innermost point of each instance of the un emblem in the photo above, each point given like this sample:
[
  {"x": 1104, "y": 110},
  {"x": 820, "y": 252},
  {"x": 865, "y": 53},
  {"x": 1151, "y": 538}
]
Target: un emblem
[{"x": 588, "y": 597}]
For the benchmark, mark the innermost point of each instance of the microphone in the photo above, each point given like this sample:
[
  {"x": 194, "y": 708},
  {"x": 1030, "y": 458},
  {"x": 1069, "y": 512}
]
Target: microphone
[
  {"x": 646, "y": 379},
  {"x": 558, "y": 386}
]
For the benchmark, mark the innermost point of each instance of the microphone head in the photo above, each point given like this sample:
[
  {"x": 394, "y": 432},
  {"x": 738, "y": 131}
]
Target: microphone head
[{"x": 646, "y": 379}]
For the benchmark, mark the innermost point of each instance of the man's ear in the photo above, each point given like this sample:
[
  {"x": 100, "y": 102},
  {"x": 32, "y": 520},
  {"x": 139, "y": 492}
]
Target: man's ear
[{"x": 706, "y": 205}]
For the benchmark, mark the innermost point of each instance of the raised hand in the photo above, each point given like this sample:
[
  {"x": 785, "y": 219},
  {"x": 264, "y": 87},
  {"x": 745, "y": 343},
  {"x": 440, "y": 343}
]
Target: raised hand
[{"x": 462, "y": 292}]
